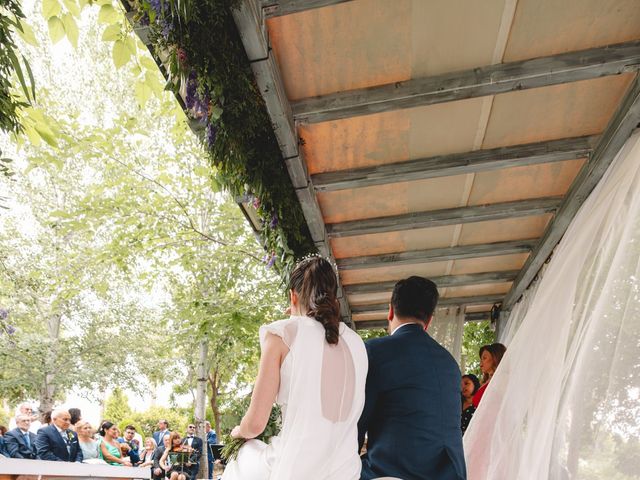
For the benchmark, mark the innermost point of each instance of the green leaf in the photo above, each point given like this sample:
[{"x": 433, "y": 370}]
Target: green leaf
[
  {"x": 201, "y": 171},
  {"x": 216, "y": 112},
  {"x": 120, "y": 54},
  {"x": 143, "y": 93},
  {"x": 26, "y": 33},
  {"x": 130, "y": 43},
  {"x": 108, "y": 14},
  {"x": 31, "y": 79},
  {"x": 71, "y": 29},
  {"x": 148, "y": 63},
  {"x": 50, "y": 8},
  {"x": 112, "y": 32},
  {"x": 73, "y": 7},
  {"x": 46, "y": 134},
  {"x": 56, "y": 29},
  {"x": 18, "y": 69},
  {"x": 152, "y": 80}
]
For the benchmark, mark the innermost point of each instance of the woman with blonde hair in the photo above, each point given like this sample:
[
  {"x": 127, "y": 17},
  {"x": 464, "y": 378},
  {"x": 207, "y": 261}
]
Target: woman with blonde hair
[{"x": 90, "y": 447}]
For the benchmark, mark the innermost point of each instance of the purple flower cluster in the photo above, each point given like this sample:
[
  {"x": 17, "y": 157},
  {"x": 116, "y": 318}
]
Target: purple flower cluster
[
  {"x": 269, "y": 259},
  {"x": 199, "y": 105},
  {"x": 4, "y": 313},
  {"x": 212, "y": 131},
  {"x": 157, "y": 6},
  {"x": 274, "y": 220}
]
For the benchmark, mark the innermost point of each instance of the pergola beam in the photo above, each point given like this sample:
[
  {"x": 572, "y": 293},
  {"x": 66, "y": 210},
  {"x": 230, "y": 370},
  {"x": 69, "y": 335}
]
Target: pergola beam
[
  {"x": 253, "y": 33},
  {"x": 383, "y": 308},
  {"x": 477, "y": 82},
  {"x": 441, "y": 282},
  {"x": 457, "y": 164},
  {"x": 438, "y": 254},
  {"x": 449, "y": 216},
  {"x": 278, "y": 8},
  {"x": 619, "y": 129}
]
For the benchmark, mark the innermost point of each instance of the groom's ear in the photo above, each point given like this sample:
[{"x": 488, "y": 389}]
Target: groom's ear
[
  {"x": 426, "y": 324},
  {"x": 390, "y": 314}
]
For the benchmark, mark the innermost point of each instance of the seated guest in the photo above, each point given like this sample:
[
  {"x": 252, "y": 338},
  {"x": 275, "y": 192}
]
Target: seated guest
[
  {"x": 157, "y": 472},
  {"x": 3, "y": 451},
  {"x": 90, "y": 447},
  {"x": 490, "y": 357},
  {"x": 45, "y": 419},
  {"x": 174, "y": 468},
  {"x": 20, "y": 442},
  {"x": 76, "y": 416},
  {"x": 132, "y": 445},
  {"x": 147, "y": 454},
  {"x": 56, "y": 442},
  {"x": 196, "y": 444},
  {"x": 110, "y": 448},
  {"x": 470, "y": 385}
]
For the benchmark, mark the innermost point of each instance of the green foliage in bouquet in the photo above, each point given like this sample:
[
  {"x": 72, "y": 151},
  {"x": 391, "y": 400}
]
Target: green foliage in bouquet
[{"x": 274, "y": 425}]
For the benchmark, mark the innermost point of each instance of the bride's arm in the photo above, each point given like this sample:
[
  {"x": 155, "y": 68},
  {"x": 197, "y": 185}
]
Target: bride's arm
[{"x": 265, "y": 390}]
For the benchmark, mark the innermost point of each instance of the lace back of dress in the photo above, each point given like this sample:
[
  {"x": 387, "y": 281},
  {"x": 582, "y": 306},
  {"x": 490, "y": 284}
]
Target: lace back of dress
[{"x": 337, "y": 388}]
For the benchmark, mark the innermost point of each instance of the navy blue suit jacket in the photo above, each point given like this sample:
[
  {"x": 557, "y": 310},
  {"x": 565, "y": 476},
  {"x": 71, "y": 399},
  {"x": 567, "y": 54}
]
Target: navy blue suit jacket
[
  {"x": 51, "y": 446},
  {"x": 412, "y": 409},
  {"x": 16, "y": 445}
]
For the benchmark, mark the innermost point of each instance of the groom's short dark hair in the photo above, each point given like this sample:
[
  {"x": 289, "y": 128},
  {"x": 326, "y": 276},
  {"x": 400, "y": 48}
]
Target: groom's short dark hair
[{"x": 414, "y": 297}]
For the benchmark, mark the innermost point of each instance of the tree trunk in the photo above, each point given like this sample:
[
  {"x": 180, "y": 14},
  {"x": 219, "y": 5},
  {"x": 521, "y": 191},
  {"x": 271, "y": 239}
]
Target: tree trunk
[
  {"x": 214, "y": 381},
  {"x": 49, "y": 390},
  {"x": 200, "y": 411}
]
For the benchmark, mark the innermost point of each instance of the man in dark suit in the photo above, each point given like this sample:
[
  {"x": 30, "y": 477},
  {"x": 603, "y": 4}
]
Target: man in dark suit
[
  {"x": 412, "y": 405},
  {"x": 163, "y": 430},
  {"x": 56, "y": 442},
  {"x": 156, "y": 470},
  {"x": 194, "y": 442},
  {"x": 20, "y": 442}
]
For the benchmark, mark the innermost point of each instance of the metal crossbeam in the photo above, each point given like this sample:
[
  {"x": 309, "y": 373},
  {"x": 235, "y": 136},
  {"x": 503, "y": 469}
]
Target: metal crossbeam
[
  {"x": 278, "y": 8},
  {"x": 441, "y": 282},
  {"x": 449, "y": 216},
  {"x": 477, "y": 82},
  {"x": 457, "y": 164},
  {"x": 438, "y": 254},
  {"x": 619, "y": 129}
]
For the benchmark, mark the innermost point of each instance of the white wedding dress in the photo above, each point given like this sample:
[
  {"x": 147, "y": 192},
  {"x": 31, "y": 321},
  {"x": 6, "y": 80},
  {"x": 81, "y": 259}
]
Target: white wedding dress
[{"x": 321, "y": 395}]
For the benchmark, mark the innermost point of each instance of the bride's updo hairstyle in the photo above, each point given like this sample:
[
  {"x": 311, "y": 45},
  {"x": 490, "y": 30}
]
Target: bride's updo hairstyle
[{"x": 315, "y": 283}]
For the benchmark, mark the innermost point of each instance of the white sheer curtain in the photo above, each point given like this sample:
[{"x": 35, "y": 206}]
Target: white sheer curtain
[
  {"x": 520, "y": 309},
  {"x": 447, "y": 328},
  {"x": 565, "y": 401}
]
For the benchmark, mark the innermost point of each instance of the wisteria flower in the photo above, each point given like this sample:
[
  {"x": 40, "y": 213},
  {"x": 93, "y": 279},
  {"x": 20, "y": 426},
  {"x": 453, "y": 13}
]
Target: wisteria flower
[
  {"x": 4, "y": 313},
  {"x": 10, "y": 329},
  {"x": 274, "y": 221},
  {"x": 212, "y": 131}
]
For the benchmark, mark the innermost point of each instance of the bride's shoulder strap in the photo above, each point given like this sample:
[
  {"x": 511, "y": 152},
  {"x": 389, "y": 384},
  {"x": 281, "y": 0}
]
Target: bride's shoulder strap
[{"x": 285, "y": 329}]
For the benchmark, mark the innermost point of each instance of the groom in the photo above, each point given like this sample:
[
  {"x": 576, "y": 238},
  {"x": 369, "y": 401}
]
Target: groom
[{"x": 412, "y": 407}]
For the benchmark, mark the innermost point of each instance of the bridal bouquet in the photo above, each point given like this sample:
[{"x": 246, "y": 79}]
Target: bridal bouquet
[{"x": 232, "y": 445}]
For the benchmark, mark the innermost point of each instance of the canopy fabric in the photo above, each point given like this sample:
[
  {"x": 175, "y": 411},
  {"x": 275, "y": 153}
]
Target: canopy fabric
[{"x": 565, "y": 400}]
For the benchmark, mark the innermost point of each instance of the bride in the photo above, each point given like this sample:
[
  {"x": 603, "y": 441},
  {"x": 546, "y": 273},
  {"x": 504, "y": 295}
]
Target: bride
[{"x": 315, "y": 368}]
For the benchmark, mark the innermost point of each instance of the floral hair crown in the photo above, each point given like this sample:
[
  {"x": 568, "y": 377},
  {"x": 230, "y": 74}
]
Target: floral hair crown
[{"x": 311, "y": 256}]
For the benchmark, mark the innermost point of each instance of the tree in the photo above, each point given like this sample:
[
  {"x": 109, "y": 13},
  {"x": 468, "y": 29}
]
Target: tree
[{"x": 116, "y": 406}]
